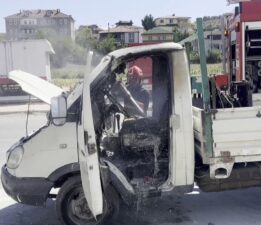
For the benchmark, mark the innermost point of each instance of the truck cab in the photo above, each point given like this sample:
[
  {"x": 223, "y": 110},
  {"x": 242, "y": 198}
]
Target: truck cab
[{"x": 98, "y": 151}]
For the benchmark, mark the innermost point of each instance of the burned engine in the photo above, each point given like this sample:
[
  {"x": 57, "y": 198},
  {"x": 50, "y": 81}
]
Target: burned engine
[
  {"x": 139, "y": 136},
  {"x": 139, "y": 150}
]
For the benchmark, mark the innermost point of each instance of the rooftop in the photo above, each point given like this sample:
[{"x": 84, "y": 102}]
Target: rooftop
[
  {"x": 122, "y": 29},
  {"x": 39, "y": 13},
  {"x": 173, "y": 17},
  {"x": 159, "y": 30}
]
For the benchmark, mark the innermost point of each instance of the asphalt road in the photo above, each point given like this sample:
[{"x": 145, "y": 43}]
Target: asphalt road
[{"x": 242, "y": 207}]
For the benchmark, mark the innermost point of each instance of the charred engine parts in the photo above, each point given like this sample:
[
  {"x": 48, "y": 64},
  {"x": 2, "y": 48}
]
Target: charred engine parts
[
  {"x": 138, "y": 135},
  {"x": 138, "y": 150}
]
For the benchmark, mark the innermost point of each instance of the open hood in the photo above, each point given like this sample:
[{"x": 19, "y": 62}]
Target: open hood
[{"x": 35, "y": 86}]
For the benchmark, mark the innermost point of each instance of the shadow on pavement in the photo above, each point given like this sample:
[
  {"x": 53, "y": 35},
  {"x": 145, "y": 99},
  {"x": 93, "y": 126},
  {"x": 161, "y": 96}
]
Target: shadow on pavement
[
  {"x": 164, "y": 211},
  {"x": 19, "y": 214}
]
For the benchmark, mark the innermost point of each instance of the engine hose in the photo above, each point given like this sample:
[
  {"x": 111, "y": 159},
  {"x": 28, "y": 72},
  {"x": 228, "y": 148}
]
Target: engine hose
[{"x": 259, "y": 64}]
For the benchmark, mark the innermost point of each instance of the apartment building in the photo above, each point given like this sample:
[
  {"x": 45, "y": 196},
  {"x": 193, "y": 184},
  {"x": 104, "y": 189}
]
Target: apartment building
[{"x": 30, "y": 24}]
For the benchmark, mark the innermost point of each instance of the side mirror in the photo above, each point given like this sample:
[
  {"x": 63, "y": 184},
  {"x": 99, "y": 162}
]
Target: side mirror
[{"x": 58, "y": 110}]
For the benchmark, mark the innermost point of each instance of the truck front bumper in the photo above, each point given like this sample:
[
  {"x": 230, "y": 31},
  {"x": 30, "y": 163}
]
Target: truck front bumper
[{"x": 31, "y": 191}]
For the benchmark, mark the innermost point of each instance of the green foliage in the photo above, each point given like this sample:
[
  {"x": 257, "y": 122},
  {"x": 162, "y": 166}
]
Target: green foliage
[
  {"x": 214, "y": 56},
  {"x": 212, "y": 69},
  {"x": 148, "y": 22},
  {"x": 66, "y": 84},
  {"x": 194, "y": 57},
  {"x": 70, "y": 71},
  {"x": 106, "y": 45},
  {"x": 85, "y": 38},
  {"x": 179, "y": 36}
]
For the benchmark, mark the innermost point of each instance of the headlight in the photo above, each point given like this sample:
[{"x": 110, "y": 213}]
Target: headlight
[{"x": 14, "y": 157}]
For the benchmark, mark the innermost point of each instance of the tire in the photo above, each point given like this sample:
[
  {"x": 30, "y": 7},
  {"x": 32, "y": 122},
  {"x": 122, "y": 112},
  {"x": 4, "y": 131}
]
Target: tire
[{"x": 72, "y": 207}]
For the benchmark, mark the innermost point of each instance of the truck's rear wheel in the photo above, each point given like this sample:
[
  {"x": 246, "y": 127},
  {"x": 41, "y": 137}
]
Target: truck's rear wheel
[{"x": 72, "y": 207}]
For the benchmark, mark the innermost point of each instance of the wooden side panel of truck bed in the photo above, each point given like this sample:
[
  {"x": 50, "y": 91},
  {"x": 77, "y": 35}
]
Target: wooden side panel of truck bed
[{"x": 236, "y": 134}]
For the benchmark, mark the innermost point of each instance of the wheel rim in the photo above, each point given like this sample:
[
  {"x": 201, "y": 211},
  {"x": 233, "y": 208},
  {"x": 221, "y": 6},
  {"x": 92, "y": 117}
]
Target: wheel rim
[{"x": 78, "y": 209}]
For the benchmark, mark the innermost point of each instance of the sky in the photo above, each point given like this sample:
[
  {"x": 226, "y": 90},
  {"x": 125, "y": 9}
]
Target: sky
[{"x": 104, "y": 12}]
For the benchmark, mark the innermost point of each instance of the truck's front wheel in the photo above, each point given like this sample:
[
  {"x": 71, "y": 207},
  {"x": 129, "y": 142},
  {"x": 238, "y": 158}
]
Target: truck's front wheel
[{"x": 72, "y": 207}]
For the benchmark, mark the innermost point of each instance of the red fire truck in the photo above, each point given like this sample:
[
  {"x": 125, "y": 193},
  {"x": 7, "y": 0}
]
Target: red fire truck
[
  {"x": 146, "y": 66},
  {"x": 243, "y": 33}
]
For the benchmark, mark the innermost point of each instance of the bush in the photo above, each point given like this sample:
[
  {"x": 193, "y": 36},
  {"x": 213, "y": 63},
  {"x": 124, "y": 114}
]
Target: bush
[
  {"x": 214, "y": 56},
  {"x": 194, "y": 57}
]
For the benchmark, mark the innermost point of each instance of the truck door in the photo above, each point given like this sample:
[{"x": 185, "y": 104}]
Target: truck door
[
  {"x": 88, "y": 158},
  {"x": 87, "y": 149}
]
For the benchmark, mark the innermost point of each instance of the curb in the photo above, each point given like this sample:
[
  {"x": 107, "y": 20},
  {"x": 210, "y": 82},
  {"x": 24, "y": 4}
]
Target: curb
[{"x": 34, "y": 108}]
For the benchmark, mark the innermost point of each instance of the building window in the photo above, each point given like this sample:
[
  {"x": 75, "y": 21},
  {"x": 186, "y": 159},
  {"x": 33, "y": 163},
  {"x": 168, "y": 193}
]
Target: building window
[
  {"x": 61, "y": 21},
  {"x": 161, "y": 21},
  {"x": 171, "y": 21},
  {"x": 131, "y": 37},
  {"x": 65, "y": 21},
  {"x": 10, "y": 22},
  {"x": 150, "y": 38},
  {"x": 216, "y": 46},
  {"x": 216, "y": 37},
  {"x": 15, "y": 22}
]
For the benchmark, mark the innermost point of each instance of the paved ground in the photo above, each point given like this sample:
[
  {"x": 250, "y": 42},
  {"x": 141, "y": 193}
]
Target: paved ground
[
  {"x": 241, "y": 207},
  {"x": 33, "y": 107}
]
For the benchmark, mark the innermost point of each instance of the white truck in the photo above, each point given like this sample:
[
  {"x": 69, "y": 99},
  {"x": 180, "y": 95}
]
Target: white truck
[
  {"x": 98, "y": 153},
  {"x": 32, "y": 56}
]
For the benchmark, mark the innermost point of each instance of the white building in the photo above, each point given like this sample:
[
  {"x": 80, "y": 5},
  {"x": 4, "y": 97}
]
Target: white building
[
  {"x": 183, "y": 24},
  {"x": 124, "y": 33}
]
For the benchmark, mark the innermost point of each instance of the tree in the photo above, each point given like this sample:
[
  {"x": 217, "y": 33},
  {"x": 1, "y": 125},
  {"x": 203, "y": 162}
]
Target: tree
[
  {"x": 148, "y": 22},
  {"x": 106, "y": 45},
  {"x": 179, "y": 36},
  {"x": 85, "y": 38}
]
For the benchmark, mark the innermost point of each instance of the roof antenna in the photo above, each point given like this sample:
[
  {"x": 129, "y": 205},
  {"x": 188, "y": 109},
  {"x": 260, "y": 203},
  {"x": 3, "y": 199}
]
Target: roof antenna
[{"x": 27, "y": 115}]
